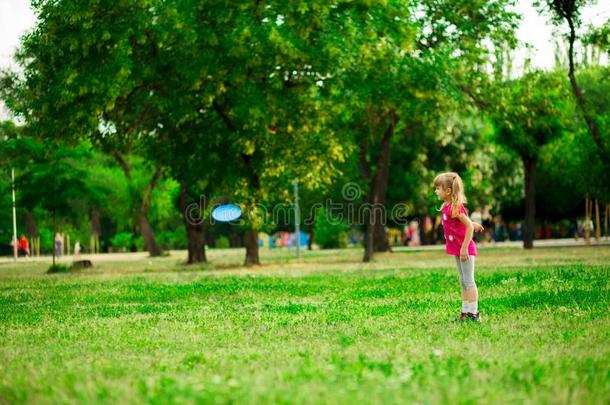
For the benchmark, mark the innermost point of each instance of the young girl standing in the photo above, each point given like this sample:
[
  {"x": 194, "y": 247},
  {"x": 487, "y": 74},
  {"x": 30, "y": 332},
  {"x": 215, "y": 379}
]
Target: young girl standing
[{"x": 458, "y": 229}]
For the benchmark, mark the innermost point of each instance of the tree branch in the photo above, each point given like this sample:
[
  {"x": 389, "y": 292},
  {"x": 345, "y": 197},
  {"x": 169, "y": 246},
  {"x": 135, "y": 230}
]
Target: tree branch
[
  {"x": 225, "y": 117},
  {"x": 593, "y": 128},
  {"x": 479, "y": 102},
  {"x": 149, "y": 189},
  {"x": 123, "y": 163}
]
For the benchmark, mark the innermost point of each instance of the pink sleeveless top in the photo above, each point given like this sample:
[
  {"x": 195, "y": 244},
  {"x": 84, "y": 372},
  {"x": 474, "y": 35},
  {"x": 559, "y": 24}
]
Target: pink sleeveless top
[{"x": 455, "y": 232}]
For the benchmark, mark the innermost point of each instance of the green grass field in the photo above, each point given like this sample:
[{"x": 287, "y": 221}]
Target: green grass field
[{"x": 323, "y": 329}]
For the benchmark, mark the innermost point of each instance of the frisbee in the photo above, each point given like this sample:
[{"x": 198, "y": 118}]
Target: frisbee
[{"x": 226, "y": 213}]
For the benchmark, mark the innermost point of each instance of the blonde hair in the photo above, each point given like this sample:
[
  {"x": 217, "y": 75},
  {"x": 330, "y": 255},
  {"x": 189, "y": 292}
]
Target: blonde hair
[{"x": 454, "y": 182}]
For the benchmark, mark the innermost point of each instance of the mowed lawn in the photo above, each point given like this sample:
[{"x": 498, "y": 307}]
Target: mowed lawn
[{"x": 322, "y": 329}]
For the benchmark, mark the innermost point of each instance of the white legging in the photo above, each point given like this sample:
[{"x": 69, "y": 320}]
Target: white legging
[{"x": 466, "y": 272}]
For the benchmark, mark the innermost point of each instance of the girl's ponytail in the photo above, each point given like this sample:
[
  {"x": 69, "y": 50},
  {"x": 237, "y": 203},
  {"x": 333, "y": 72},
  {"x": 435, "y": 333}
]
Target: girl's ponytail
[{"x": 457, "y": 195}]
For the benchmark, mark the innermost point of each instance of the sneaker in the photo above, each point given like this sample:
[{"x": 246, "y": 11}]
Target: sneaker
[{"x": 472, "y": 317}]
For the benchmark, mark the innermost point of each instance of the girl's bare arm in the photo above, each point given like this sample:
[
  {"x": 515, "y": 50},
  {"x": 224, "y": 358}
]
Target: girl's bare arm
[{"x": 468, "y": 237}]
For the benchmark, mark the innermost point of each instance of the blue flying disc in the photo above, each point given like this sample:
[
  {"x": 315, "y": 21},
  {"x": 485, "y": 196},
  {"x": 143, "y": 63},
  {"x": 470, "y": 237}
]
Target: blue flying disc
[{"x": 226, "y": 213}]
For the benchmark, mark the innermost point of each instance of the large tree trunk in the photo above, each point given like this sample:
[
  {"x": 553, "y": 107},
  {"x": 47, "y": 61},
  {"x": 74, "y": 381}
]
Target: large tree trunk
[
  {"x": 150, "y": 244},
  {"x": 94, "y": 245},
  {"x": 251, "y": 236},
  {"x": 251, "y": 242},
  {"x": 32, "y": 232},
  {"x": 606, "y": 215},
  {"x": 380, "y": 236},
  {"x": 375, "y": 239},
  {"x": 368, "y": 239},
  {"x": 146, "y": 231},
  {"x": 194, "y": 230},
  {"x": 598, "y": 227},
  {"x": 142, "y": 225},
  {"x": 529, "y": 166},
  {"x": 196, "y": 244}
]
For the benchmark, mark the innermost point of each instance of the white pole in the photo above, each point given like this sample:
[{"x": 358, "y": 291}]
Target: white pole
[
  {"x": 15, "y": 248},
  {"x": 297, "y": 217}
]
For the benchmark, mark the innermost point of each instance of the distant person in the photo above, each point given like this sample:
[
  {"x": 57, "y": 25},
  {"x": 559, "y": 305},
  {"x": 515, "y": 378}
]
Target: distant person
[
  {"x": 414, "y": 238},
  {"x": 14, "y": 246},
  {"x": 487, "y": 222},
  {"x": 587, "y": 228},
  {"x": 521, "y": 230},
  {"x": 24, "y": 248},
  {"x": 58, "y": 244},
  {"x": 590, "y": 226},
  {"x": 77, "y": 249},
  {"x": 499, "y": 231},
  {"x": 285, "y": 239},
  {"x": 458, "y": 229}
]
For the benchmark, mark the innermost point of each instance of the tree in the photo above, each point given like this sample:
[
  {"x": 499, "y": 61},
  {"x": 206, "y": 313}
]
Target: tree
[
  {"x": 403, "y": 79},
  {"x": 533, "y": 112},
  {"x": 152, "y": 72},
  {"x": 49, "y": 177},
  {"x": 247, "y": 84},
  {"x": 83, "y": 79},
  {"x": 579, "y": 176},
  {"x": 272, "y": 66}
]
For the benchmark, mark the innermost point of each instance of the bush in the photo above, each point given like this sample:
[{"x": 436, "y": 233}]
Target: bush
[
  {"x": 121, "y": 241},
  {"x": 329, "y": 233},
  {"x": 139, "y": 242},
  {"x": 175, "y": 239},
  {"x": 46, "y": 240},
  {"x": 223, "y": 242},
  {"x": 58, "y": 268}
]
